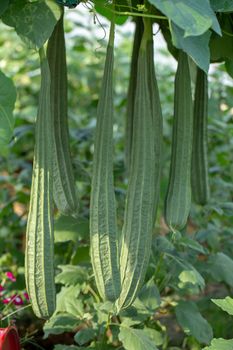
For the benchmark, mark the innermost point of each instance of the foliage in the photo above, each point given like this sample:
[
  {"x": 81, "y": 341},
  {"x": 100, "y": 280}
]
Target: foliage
[
  {"x": 222, "y": 344},
  {"x": 186, "y": 269}
]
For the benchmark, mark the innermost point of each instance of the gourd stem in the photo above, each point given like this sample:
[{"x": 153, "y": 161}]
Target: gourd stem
[
  {"x": 147, "y": 34},
  {"x": 112, "y": 29}
]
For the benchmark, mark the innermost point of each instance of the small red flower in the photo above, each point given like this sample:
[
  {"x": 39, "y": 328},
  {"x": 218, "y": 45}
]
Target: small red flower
[
  {"x": 7, "y": 300},
  {"x": 1, "y": 288},
  {"x": 26, "y": 296},
  {"x": 17, "y": 300},
  {"x": 10, "y": 276}
]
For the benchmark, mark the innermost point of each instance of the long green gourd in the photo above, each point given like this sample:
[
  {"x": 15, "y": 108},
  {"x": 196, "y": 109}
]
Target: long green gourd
[
  {"x": 178, "y": 198},
  {"x": 131, "y": 91},
  {"x": 39, "y": 260},
  {"x": 64, "y": 188},
  {"x": 156, "y": 116},
  {"x": 139, "y": 211},
  {"x": 200, "y": 180},
  {"x": 103, "y": 227}
]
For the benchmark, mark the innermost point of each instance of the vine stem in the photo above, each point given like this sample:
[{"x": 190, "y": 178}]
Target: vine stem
[
  {"x": 136, "y": 14},
  {"x": 227, "y": 33},
  {"x": 94, "y": 294},
  {"x": 15, "y": 312}
]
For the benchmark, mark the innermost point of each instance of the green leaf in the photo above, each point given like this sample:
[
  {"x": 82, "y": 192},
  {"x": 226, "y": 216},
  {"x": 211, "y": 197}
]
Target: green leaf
[
  {"x": 227, "y": 208},
  {"x": 149, "y": 296},
  {"x": 220, "y": 344},
  {"x": 130, "y": 321},
  {"x": 196, "y": 47},
  {"x": 103, "y": 310},
  {"x": 67, "y": 228},
  {"x": 59, "y": 324},
  {"x": 190, "y": 274},
  {"x": 71, "y": 275},
  {"x": 7, "y": 103},
  {"x": 194, "y": 17},
  {"x": 192, "y": 322},
  {"x": 225, "y": 304},
  {"x": 67, "y": 301},
  {"x": 68, "y": 347},
  {"x": 229, "y": 67},
  {"x": 135, "y": 339},
  {"x": 154, "y": 335},
  {"x": 3, "y": 6},
  {"x": 190, "y": 243},
  {"x": 162, "y": 244},
  {"x": 221, "y": 48},
  {"x": 105, "y": 9},
  {"x": 138, "y": 313},
  {"x": 84, "y": 336},
  {"x": 222, "y": 5},
  {"x": 81, "y": 255},
  {"x": 33, "y": 21},
  {"x": 221, "y": 268},
  {"x": 99, "y": 346}
]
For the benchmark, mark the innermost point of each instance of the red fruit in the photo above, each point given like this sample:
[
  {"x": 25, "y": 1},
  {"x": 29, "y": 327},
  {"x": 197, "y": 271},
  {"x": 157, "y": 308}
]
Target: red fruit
[{"x": 9, "y": 339}]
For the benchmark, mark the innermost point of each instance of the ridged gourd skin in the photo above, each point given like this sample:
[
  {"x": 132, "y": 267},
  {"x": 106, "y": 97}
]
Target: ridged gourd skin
[
  {"x": 178, "y": 198},
  {"x": 131, "y": 91},
  {"x": 64, "y": 188},
  {"x": 157, "y": 121},
  {"x": 200, "y": 179},
  {"x": 138, "y": 219},
  {"x": 39, "y": 263},
  {"x": 103, "y": 226}
]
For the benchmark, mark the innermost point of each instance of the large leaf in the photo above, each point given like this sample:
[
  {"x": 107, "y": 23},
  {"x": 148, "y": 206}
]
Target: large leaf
[
  {"x": 67, "y": 301},
  {"x": 192, "y": 244},
  {"x": 105, "y": 9},
  {"x": 189, "y": 277},
  {"x": 154, "y": 335},
  {"x": 194, "y": 17},
  {"x": 188, "y": 273},
  {"x": 136, "y": 339},
  {"x": 225, "y": 304},
  {"x": 84, "y": 336},
  {"x": 7, "y": 102},
  {"x": 3, "y": 6},
  {"x": 221, "y": 48},
  {"x": 71, "y": 275},
  {"x": 192, "y": 322},
  {"x": 222, "y": 5},
  {"x": 149, "y": 296},
  {"x": 220, "y": 344},
  {"x": 59, "y": 324},
  {"x": 221, "y": 268},
  {"x": 67, "y": 228},
  {"x": 33, "y": 21},
  {"x": 196, "y": 47}
]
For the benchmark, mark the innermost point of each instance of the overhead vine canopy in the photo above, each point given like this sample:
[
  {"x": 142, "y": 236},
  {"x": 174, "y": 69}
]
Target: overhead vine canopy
[{"x": 203, "y": 29}]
